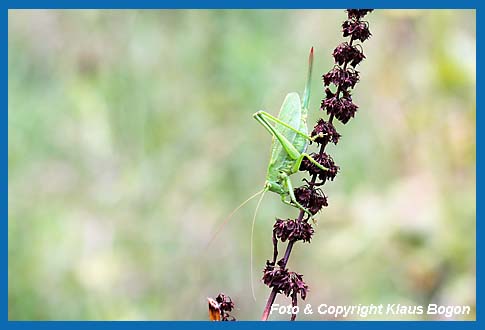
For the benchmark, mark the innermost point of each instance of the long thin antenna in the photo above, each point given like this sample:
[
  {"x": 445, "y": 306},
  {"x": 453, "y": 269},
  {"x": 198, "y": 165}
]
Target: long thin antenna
[
  {"x": 252, "y": 234},
  {"x": 306, "y": 93},
  {"x": 226, "y": 220}
]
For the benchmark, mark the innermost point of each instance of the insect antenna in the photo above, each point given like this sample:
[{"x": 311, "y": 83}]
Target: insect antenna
[
  {"x": 252, "y": 234},
  {"x": 226, "y": 220}
]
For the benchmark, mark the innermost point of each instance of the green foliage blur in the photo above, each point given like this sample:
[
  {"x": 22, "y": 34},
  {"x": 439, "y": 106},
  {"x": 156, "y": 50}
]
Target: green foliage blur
[{"x": 131, "y": 139}]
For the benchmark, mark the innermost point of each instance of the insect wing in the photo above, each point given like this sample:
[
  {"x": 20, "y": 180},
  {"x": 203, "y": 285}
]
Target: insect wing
[
  {"x": 290, "y": 113},
  {"x": 301, "y": 142}
]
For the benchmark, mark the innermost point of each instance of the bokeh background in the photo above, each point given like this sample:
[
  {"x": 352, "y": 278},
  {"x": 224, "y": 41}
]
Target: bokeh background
[{"x": 131, "y": 138}]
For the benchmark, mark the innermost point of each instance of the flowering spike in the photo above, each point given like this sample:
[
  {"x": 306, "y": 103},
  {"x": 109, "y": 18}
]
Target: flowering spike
[{"x": 338, "y": 105}]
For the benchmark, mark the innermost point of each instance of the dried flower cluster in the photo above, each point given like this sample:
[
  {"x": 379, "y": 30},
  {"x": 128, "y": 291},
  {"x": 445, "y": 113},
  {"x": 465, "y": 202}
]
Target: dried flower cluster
[
  {"x": 293, "y": 230},
  {"x": 290, "y": 284},
  {"x": 338, "y": 104},
  {"x": 220, "y": 308}
]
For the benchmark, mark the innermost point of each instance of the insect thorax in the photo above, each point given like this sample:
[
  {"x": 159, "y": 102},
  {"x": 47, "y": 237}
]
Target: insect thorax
[
  {"x": 276, "y": 179},
  {"x": 276, "y": 187}
]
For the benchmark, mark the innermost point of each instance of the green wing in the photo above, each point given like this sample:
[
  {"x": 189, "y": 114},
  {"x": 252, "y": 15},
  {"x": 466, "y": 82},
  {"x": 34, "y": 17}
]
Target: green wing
[
  {"x": 294, "y": 113},
  {"x": 290, "y": 113}
]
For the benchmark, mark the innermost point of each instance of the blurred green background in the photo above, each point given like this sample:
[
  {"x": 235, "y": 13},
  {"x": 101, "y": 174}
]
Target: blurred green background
[{"x": 131, "y": 138}]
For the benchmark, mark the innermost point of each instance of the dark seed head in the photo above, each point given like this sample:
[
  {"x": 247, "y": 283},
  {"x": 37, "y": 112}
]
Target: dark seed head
[
  {"x": 220, "y": 307},
  {"x": 326, "y": 161},
  {"x": 297, "y": 286},
  {"x": 339, "y": 77},
  {"x": 225, "y": 305},
  {"x": 357, "y": 13},
  {"x": 275, "y": 277},
  {"x": 311, "y": 198},
  {"x": 293, "y": 230},
  {"x": 341, "y": 107},
  {"x": 357, "y": 29},
  {"x": 284, "y": 281},
  {"x": 225, "y": 302},
  {"x": 325, "y": 132},
  {"x": 345, "y": 53}
]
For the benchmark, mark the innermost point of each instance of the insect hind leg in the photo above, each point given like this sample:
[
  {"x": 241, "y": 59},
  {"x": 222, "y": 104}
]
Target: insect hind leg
[{"x": 290, "y": 149}]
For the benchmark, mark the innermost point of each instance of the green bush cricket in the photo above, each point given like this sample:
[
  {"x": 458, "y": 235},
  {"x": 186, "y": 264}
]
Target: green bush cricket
[{"x": 290, "y": 141}]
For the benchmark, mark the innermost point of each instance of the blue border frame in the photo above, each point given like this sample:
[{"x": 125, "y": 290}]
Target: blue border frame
[
  {"x": 147, "y": 4},
  {"x": 249, "y": 4}
]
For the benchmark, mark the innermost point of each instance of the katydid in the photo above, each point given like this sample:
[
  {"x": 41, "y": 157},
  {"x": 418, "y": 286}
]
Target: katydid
[{"x": 290, "y": 141}]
